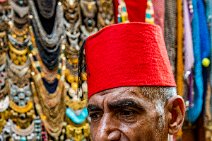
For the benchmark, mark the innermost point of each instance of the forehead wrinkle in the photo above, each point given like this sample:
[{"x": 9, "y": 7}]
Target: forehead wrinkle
[
  {"x": 120, "y": 90},
  {"x": 104, "y": 97}
]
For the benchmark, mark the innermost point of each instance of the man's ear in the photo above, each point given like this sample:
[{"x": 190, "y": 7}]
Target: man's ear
[{"x": 176, "y": 112}]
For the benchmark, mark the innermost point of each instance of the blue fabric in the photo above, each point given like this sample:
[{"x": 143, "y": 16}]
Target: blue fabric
[
  {"x": 194, "y": 112},
  {"x": 77, "y": 119},
  {"x": 204, "y": 43},
  {"x": 204, "y": 33},
  {"x": 209, "y": 19}
]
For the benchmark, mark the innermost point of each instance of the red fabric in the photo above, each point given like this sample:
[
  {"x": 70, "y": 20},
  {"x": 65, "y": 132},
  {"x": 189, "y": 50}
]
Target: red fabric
[
  {"x": 130, "y": 54},
  {"x": 136, "y": 10}
]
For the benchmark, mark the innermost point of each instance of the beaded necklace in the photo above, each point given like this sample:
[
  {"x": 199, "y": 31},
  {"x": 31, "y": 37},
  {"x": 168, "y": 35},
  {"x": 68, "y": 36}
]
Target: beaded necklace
[
  {"x": 48, "y": 102},
  {"x": 20, "y": 10},
  {"x": 48, "y": 44},
  {"x": 48, "y": 40}
]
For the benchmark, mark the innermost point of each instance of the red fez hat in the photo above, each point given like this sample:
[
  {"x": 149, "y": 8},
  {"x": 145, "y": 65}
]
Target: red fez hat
[{"x": 130, "y": 54}]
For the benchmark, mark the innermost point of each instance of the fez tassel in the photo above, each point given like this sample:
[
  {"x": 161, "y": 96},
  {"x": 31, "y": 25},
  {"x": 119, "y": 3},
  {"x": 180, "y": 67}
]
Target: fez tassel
[{"x": 129, "y": 54}]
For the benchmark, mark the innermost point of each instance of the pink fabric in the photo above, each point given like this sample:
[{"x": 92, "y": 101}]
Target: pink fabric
[
  {"x": 159, "y": 9},
  {"x": 2, "y": 1},
  {"x": 188, "y": 44}
]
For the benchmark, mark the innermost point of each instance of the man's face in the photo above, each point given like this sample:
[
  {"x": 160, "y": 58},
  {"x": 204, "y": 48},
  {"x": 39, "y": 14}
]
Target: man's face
[{"x": 125, "y": 114}]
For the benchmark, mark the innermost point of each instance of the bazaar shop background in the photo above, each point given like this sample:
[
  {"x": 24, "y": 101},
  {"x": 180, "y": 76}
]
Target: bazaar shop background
[{"x": 41, "y": 97}]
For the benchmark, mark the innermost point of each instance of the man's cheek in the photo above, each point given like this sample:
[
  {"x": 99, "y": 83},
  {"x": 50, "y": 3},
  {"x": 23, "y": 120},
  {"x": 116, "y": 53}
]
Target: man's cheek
[
  {"x": 94, "y": 131},
  {"x": 138, "y": 131}
]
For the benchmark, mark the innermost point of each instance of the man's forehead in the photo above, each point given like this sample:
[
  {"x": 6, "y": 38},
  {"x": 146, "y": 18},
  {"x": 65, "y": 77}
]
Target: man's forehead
[
  {"x": 119, "y": 91},
  {"x": 116, "y": 94}
]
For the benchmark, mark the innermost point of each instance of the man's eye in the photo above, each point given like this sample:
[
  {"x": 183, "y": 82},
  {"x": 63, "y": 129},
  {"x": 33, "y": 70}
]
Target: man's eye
[
  {"x": 95, "y": 116},
  {"x": 127, "y": 114}
]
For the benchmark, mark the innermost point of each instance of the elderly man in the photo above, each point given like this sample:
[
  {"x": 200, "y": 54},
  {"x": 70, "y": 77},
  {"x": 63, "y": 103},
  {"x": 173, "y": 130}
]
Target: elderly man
[{"x": 131, "y": 89}]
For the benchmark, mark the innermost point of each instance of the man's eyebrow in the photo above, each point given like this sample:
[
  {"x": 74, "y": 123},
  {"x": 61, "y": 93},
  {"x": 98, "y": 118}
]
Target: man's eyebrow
[
  {"x": 124, "y": 103},
  {"x": 92, "y": 107}
]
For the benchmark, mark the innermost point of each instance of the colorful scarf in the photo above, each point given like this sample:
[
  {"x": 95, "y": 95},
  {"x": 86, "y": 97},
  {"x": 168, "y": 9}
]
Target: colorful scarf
[{"x": 194, "y": 112}]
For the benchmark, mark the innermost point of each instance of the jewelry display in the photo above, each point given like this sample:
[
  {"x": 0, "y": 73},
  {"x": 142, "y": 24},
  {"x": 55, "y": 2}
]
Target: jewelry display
[
  {"x": 4, "y": 104},
  {"x": 75, "y": 132},
  {"x": 21, "y": 109},
  {"x": 3, "y": 76},
  {"x": 31, "y": 133},
  {"x": 3, "y": 42},
  {"x": 39, "y": 67},
  {"x": 48, "y": 97},
  {"x": 3, "y": 122},
  {"x": 105, "y": 14},
  {"x": 20, "y": 96},
  {"x": 4, "y": 86},
  {"x": 20, "y": 10},
  {"x": 46, "y": 8},
  {"x": 89, "y": 13},
  {"x": 48, "y": 44},
  {"x": 46, "y": 40}
]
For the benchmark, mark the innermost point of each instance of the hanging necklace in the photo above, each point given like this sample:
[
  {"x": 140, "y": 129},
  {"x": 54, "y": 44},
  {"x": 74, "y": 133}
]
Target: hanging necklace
[
  {"x": 20, "y": 45},
  {"x": 48, "y": 45},
  {"x": 48, "y": 40},
  {"x": 20, "y": 71},
  {"x": 48, "y": 102},
  {"x": 21, "y": 96},
  {"x": 20, "y": 10}
]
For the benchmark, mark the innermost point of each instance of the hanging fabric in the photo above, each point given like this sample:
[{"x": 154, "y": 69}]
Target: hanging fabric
[
  {"x": 170, "y": 30},
  {"x": 159, "y": 12},
  {"x": 194, "y": 111},
  {"x": 188, "y": 53},
  {"x": 180, "y": 69}
]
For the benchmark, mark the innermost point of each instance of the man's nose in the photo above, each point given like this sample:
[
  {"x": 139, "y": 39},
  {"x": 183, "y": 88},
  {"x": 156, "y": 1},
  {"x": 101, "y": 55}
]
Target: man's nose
[{"x": 108, "y": 129}]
